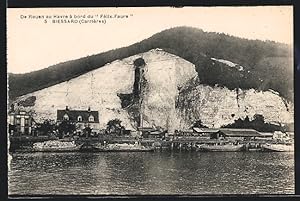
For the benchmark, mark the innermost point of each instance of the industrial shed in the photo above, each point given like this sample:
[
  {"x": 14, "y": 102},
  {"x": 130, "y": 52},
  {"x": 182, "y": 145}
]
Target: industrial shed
[{"x": 237, "y": 133}]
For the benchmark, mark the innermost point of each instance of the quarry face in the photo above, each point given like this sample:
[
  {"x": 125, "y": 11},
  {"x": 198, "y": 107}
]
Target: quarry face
[{"x": 172, "y": 96}]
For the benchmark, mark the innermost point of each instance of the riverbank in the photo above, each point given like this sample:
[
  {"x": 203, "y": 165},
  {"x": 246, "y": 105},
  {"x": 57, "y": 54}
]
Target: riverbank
[{"x": 25, "y": 143}]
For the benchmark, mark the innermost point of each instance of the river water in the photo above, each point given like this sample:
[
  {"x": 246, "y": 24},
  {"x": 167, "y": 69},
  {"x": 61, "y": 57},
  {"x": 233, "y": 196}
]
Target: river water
[{"x": 151, "y": 173}]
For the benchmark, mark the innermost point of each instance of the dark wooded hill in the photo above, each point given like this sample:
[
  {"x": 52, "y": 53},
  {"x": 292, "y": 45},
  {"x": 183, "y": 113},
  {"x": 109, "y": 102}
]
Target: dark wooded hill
[{"x": 265, "y": 64}]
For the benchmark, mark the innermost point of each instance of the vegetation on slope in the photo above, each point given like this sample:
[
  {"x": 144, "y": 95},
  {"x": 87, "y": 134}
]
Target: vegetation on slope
[
  {"x": 259, "y": 124},
  {"x": 267, "y": 65}
]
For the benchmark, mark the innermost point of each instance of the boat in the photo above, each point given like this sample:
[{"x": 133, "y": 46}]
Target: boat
[
  {"x": 220, "y": 147},
  {"x": 123, "y": 147},
  {"x": 56, "y": 146},
  {"x": 254, "y": 149},
  {"x": 278, "y": 147}
]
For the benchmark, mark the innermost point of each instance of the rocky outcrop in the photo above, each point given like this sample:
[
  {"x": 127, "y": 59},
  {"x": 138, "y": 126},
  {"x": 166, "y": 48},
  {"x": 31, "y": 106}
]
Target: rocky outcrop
[
  {"x": 217, "y": 106},
  {"x": 173, "y": 96}
]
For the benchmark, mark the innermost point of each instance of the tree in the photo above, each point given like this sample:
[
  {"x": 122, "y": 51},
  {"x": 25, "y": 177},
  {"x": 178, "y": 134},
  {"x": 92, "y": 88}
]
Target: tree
[
  {"x": 48, "y": 126},
  {"x": 199, "y": 124},
  {"x": 87, "y": 130},
  {"x": 114, "y": 126},
  {"x": 66, "y": 127},
  {"x": 259, "y": 118},
  {"x": 258, "y": 123}
]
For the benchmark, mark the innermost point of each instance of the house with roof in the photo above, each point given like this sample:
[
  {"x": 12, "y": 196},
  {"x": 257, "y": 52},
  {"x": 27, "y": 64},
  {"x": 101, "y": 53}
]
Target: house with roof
[
  {"x": 236, "y": 134},
  {"x": 19, "y": 122},
  {"x": 150, "y": 132},
  {"x": 82, "y": 118}
]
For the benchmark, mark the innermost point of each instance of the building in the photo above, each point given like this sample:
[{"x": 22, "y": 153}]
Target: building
[
  {"x": 19, "y": 122},
  {"x": 265, "y": 135},
  {"x": 150, "y": 132},
  {"x": 236, "y": 134},
  {"x": 156, "y": 134},
  {"x": 204, "y": 132},
  {"x": 279, "y": 135},
  {"x": 145, "y": 131},
  {"x": 82, "y": 118}
]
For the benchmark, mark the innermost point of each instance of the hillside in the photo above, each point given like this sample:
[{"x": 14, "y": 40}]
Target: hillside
[
  {"x": 265, "y": 65},
  {"x": 170, "y": 96}
]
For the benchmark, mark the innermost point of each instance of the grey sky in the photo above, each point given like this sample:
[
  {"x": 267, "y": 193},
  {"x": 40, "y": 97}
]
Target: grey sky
[{"x": 33, "y": 44}]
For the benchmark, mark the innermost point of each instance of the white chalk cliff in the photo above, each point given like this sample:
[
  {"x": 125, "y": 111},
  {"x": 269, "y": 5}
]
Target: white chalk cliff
[{"x": 174, "y": 97}]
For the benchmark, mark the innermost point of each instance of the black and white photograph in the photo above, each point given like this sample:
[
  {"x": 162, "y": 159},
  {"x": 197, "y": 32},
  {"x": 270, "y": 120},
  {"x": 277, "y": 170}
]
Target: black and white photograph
[{"x": 150, "y": 101}]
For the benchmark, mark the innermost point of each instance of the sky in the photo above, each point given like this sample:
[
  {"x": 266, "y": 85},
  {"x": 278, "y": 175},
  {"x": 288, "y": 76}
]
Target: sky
[{"x": 33, "y": 44}]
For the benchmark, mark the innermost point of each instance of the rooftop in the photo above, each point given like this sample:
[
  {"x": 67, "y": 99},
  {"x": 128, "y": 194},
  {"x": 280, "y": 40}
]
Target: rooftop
[
  {"x": 240, "y": 132},
  {"x": 146, "y": 129},
  {"x": 74, "y": 114},
  {"x": 155, "y": 133},
  {"x": 206, "y": 130}
]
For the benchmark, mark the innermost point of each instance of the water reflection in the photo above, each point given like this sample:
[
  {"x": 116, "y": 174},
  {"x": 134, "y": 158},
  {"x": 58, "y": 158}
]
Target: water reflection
[{"x": 151, "y": 173}]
